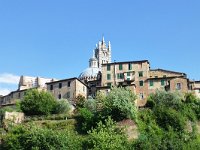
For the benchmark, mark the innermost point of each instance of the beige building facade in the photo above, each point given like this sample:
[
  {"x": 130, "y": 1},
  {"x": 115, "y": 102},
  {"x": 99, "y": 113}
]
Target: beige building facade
[
  {"x": 68, "y": 89},
  {"x": 138, "y": 76},
  {"x": 27, "y": 82},
  {"x": 102, "y": 74},
  {"x": 195, "y": 87}
]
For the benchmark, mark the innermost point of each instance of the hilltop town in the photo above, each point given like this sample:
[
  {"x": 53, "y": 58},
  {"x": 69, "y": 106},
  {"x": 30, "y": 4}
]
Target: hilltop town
[{"x": 102, "y": 74}]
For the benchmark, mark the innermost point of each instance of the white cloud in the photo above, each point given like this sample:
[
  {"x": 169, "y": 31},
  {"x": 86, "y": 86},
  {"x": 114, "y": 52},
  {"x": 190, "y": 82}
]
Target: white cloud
[
  {"x": 9, "y": 78},
  {"x": 4, "y": 91}
]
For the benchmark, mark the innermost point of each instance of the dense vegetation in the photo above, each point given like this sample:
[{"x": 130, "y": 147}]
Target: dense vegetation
[
  {"x": 42, "y": 103},
  {"x": 168, "y": 121}
]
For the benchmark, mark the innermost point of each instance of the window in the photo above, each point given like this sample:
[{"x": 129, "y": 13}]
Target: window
[
  {"x": 120, "y": 67},
  {"x": 108, "y": 67},
  {"x": 151, "y": 83},
  {"x": 19, "y": 95},
  {"x": 141, "y": 74},
  {"x": 141, "y": 83},
  {"x": 60, "y": 85},
  {"x": 51, "y": 87},
  {"x": 59, "y": 96},
  {"x": 108, "y": 76},
  {"x": 68, "y": 94},
  {"x": 178, "y": 86},
  {"x": 109, "y": 84},
  {"x": 164, "y": 76},
  {"x": 141, "y": 96},
  {"x": 156, "y": 76},
  {"x": 69, "y": 83},
  {"x": 199, "y": 90},
  {"x": 83, "y": 89},
  {"x": 162, "y": 82},
  {"x": 128, "y": 73},
  {"x": 120, "y": 76},
  {"x": 129, "y": 66}
]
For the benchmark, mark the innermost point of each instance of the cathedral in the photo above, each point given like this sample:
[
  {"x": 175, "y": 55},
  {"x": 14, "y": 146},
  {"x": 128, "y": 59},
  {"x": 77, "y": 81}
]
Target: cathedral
[
  {"x": 101, "y": 55},
  {"x": 102, "y": 74}
]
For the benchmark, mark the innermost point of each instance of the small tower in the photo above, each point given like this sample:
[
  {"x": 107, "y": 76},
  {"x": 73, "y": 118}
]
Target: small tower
[
  {"x": 93, "y": 62},
  {"x": 103, "y": 53}
]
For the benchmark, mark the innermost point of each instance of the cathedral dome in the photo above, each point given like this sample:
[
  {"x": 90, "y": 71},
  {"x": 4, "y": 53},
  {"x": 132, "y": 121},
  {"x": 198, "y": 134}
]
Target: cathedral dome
[{"x": 89, "y": 73}]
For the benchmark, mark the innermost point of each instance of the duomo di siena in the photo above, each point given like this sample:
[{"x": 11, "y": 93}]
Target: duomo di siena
[{"x": 102, "y": 74}]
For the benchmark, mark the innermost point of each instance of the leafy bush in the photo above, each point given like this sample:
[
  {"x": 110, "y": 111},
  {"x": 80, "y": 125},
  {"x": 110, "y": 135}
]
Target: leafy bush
[
  {"x": 33, "y": 137},
  {"x": 37, "y": 103},
  {"x": 106, "y": 136},
  {"x": 80, "y": 101},
  {"x": 120, "y": 104},
  {"x": 62, "y": 106},
  {"x": 170, "y": 118},
  {"x": 85, "y": 120},
  {"x": 91, "y": 105},
  {"x": 167, "y": 99}
]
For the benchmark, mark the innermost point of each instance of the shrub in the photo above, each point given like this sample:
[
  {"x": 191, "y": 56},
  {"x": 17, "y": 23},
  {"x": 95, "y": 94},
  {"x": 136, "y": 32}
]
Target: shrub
[
  {"x": 62, "y": 106},
  {"x": 91, "y": 105},
  {"x": 120, "y": 104},
  {"x": 37, "y": 103},
  {"x": 167, "y": 99},
  {"x": 106, "y": 136},
  {"x": 170, "y": 118},
  {"x": 85, "y": 120},
  {"x": 80, "y": 101},
  {"x": 33, "y": 137}
]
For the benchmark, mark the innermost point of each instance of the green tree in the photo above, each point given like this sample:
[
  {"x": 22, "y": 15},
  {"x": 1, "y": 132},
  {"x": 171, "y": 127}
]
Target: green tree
[
  {"x": 37, "y": 102},
  {"x": 106, "y": 137},
  {"x": 32, "y": 137},
  {"x": 80, "y": 101},
  {"x": 62, "y": 106},
  {"x": 120, "y": 104}
]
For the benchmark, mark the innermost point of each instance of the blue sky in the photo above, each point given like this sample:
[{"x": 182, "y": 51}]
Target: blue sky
[{"x": 55, "y": 39}]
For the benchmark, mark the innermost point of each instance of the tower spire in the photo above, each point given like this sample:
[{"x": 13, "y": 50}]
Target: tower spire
[
  {"x": 93, "y": 54},
  {"x": 103, "y": 41}
]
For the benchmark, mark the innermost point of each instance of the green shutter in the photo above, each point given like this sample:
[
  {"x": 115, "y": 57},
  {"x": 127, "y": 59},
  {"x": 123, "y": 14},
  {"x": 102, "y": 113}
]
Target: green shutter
[
  {"x": 118, "y": 76},
  {"x": 109, "y": 84},
  {"x": 120, "y": 67},
  {"x": 108, "y": 77},
  {"x": 121, "y": 76},
  {"x": 141, "y": 83},
  {"x": 151, "y": 82},
  {"x": 108, "y": 67},
  {"x": 140, "y": 74},
  {"x": 128, "y": 73},
  {"x": 162, "y": 82},
  {"x": 130, "y": 66}
]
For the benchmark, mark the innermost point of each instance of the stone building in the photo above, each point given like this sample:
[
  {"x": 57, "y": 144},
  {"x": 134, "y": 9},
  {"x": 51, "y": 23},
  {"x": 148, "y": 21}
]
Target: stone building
[
  {"x": 142, "y": 80},
  {"x": 102, "y": 74},
  {"x": 27, "y": 82},
  {"x": 195, "y": 87},
  {"x": 103, "y": 53},
  {"x": 67, "y": 89}
]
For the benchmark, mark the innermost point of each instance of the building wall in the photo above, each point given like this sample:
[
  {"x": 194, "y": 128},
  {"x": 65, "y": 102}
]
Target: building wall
[
  {"x": 159, "y": 73},
  {"x": 175, "y": 87},
  {"x": 196, "y": 88},
  {"x": 27, "y": 82},
  {"x": 70, "y": 89},
  {"x": 12, "y": 97},
  {"x": 156, "y": 85},
  {"x": 134, "y": 75}
]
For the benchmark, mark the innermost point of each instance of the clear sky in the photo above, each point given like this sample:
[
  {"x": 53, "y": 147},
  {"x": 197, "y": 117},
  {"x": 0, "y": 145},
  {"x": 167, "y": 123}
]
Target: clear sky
[{"x": 55, "y": 38}]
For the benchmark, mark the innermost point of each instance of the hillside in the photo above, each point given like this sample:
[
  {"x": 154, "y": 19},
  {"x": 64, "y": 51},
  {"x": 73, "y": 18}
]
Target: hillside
[{"x": 168, "y": 121}]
